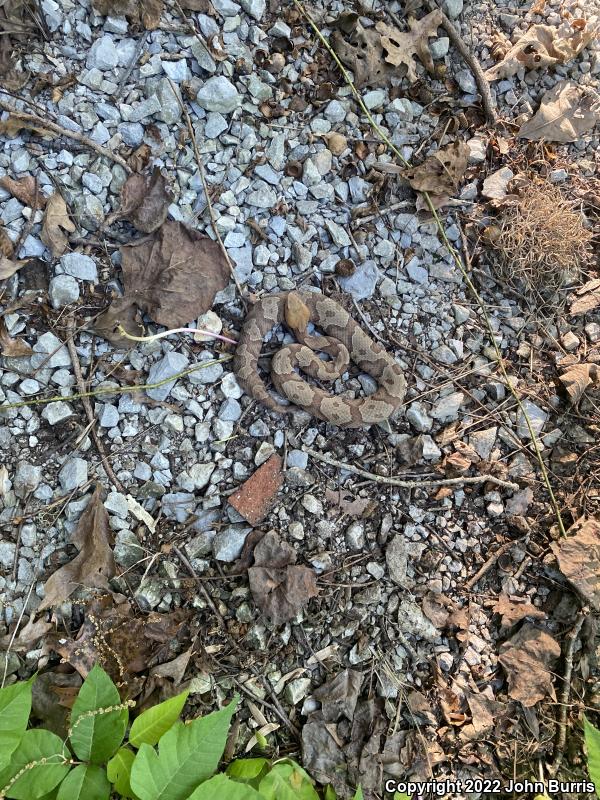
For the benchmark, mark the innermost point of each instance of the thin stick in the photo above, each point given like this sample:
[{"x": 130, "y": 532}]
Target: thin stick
[
  {"x": 138, "y": 50},
  {"x": 140, "y": 387},
  {"x": 564, "y": 705},
  {"x": 489, "y": 563},
  {"x": 477, "y": 479},
  {"x": 209, "y": 205},
  {"x": 85, "y": 401},
  {"x": 47, "y": 124},
  {"x": 480, "y": 79},
  {"x": 457, "y": 260}
]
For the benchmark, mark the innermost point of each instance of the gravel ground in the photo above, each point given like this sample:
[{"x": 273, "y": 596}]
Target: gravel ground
[{"x": 183, "y": 448}]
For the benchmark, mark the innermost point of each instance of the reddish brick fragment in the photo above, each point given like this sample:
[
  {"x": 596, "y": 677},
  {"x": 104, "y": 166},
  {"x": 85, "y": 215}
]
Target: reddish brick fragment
[{"x": 255, "y": 496}]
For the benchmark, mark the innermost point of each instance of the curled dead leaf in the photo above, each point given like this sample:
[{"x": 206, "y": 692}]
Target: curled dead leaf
[
  {"x": 8, "y": 267},
  {"x": 514, "y": 609},
  {"x": 145, "y": 201},
  {"x": 528, "y": 659},
  {"x": 440, "y": 174},
  {"x": 24, "y": 189},
  {"x": 587, "y": 298},
  {"x": 566, "y": 113},
  {"x": 577, "y": 379},
  {"x": 16, "y": 348},
  {"x": 93, "y": 566},
  {"x": 545, "y": 46},
  {"x": 578, "y": 559},
  {"x": 7, "y": 247},
  {"x": 56, "y": 222}
]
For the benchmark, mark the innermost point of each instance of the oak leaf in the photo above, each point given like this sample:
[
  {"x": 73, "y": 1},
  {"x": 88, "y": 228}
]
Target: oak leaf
[
  {"x": 566, "y": 113},
  {"x": 401, "y": 47},
  {"x": 24, "y": 189},
  {"x": 56, "y": 222}
]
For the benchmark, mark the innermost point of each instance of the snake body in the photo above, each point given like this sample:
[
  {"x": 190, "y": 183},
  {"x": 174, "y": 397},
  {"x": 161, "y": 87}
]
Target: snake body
[{"x": 344, "y": 340}]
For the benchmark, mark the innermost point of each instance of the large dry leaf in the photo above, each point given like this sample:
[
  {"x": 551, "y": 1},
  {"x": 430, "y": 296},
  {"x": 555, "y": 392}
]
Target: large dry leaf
[
  {"x": 56, "y": 222},
  {"x": 172, "y": 275},
  {"x": 145, "y": 201},
  {"x": 146, "y": 11},
  {"x": 544, "y": 46},
  {"x": 514, "y": 609},
  {"x": 8, "y": 267},
  {"x": 440, "y": 174},
  {"x": 577, "y": 379},
  {"x": 347, "y": 503},
  {"x": 94, "y": 565},
  {"x": 339, "y": 696},
  {"x": 24, "y": 189},
  {"x": 360, "y": 49},
  {"x": 566, "y": 113},
  {"x": 578, "y": 558},
  {"x": 587, "y": 298},
  {"x": 12, "y": 126},
  {"x": 27, "y": 636},
  {"x": 401, "y": 48},
  {"x": 15, "y": 348},
  {"x": 528, "y": 659},
  {"x": 120, "y": 314},
  {"x": 279, "y": 588},
  {"x": 7, "y": 247}
]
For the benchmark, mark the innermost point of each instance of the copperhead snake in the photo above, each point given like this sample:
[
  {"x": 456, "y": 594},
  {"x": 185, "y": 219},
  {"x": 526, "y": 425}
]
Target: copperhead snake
[{"x": 344, "y": 340}]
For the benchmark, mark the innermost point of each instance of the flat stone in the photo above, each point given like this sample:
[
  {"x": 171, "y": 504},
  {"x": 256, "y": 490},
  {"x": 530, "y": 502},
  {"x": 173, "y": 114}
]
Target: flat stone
[
  {"x": 230, "y": 410},
  {"x": 256, "y": 495},
  {"x": 80, "y": 266},
  {"x": 132, "y": 133},
  {"x": 177, "y": 71},
  {"x": 362, "y": 283},
  {"x": 254, "y": 8},
  {"x": 228, "y": 543},
  {"x": 215, "y": 125},
  {"x": 418, "y": 417},
  {"x": 102, "y": 54},
  {"x": 169, "y": 365},
  {"x": 537, "y": 417},
  {"x": 73, "y": 474},
  {"x": 338, "y": 234},
  {"x": 55, "y": 413},
  {"x": 263, "y": 196},
  {"x": 230, "y": 387},
  {"x": 48, "y": 344},
  {"x": 518, "y": 504},
  {"x": 219, "y": 94},
  {"x": 63, "y": 290},
  {"x": 453, "y": 8},
  {"x": 446, "y": 408},
  {"x": 109, "y": 416},
  {"x": 483, "y": 442},
  {"x": 88, "y": 211},
  {"x": 417, "y": 273},
  {"x": 200, "y": 474},
  {"x": 297, "y": 458},
  {"x": 116, "y": 503},
  {"x": 439, "y": 47},
  {"x": 27, "y": 479}
]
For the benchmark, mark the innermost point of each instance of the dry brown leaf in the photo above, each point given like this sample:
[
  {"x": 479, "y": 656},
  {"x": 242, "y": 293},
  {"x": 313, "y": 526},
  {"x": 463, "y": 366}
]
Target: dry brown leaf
[
  {"x": 528, "y": 659},
  {"x": 544, "y": 46},
  {"x": 12, "y": 347},
  {"x": 24, "y": 189},
  {"x": 297, "y": 314},
  {"x": 146, "y": 11},
  {"x": 12, "y": 126},
  {"x": 587, "y": 298},
  {"x": 348, "y": 504},
  {"x": 514, "y": 609},
  {"x": 566, "y": 113},
  {"x": 279, "y": 587},
  {"x": 145, "y": 201},
  {"x": 339, "y": 696},
  {"x": 94, "y": 565},
  {"x": 140, "y": 158},
  {"x": 360, "y": 49},
  {"x": 441, "y": 173},
  {"x": 577, "y": 379},
  {"x": 172, "y": 275},
  {"x": 28, "y": 636},
  {"x": 578, "y": 558},
  {"x": 8, "y": 267},
  {"x": 400, "y": 47},
  {"x": 121, "y": 312},
  {"x": 56, "y": 222},
  {"x": 7, "y": 247},
  {"x": 11, "y": 78},
  {"x": 174, "y": 669}
]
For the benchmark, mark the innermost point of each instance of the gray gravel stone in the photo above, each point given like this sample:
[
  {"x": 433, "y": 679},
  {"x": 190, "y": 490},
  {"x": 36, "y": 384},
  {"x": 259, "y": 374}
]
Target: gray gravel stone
[
  {"x": 230, "y": 410},
  {"x": 109, "y": 416},
  {"x": 169, "y": 365},
  {"x": 27, "y": 479},
  {"x": 362, "y": 284},
  {"x": 116, "y": 503},
  {"x": 537, "y": 417},
  {"x": 254, "y": 8},
  {"x": 215, "y": 125},
  {"x": 48, "y": 344},
  {"x": 63, "y": 290},
  {"x": 228, "y": 543},
  {"x": 446, "y": 408},
  {"x": 88, "y": 211},
  {"x": 219, "y": 94},
  {"x": 80, "y": 266},
  {"x": 103, "y": 54},
  {"x": 297, "y": 458},
  {"x": 132, "y": 133},
  {"x": 419, "y": 418},
  {"x": 73, "y": 474},
  {"x": 55, "y": 413}
]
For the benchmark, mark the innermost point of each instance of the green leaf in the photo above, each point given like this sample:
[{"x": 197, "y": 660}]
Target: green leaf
[
  {"x": 330, "y": 793},
  {"x": 398, "y": 796},
  {"x": 222, "y": 788},
  {"x": 85, "y": 782},
  {"x": 248, "y": 770},
  {"x": 286, "y": 781},
  {"x": 592, "y": 744},
  {"x": 96, "y": 734},
  {"x": 118, "y": 770},
  {"x": 359, "y": 795},
  {"x": 39, "y": 780},
  {"x": 15, "y": 706},
  {"x": 153, "y": 723},
  {"x": 187, "y": 755}
]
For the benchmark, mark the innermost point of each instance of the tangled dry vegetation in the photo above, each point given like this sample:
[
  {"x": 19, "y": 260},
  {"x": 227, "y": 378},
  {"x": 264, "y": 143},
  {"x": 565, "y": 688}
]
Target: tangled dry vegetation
[{"x": 542, "y": 242}]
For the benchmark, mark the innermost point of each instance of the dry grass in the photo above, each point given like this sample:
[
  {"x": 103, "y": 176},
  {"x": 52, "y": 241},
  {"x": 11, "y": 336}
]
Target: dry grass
[{"x": 542, "y": 242}]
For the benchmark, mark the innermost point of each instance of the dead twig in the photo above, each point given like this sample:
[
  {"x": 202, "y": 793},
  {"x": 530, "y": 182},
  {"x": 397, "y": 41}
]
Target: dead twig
[
  {"x": 390, "y": 481},
  {"x": 46, "y": 124},
  {"x": 489, "y": 563},
  {"x": 564, "y": 704},
  {"x": 470, "y": 60},
  {"x": 85, "y": 400}
]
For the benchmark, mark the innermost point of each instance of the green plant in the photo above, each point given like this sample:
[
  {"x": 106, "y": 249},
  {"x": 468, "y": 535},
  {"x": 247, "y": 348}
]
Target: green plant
[
  {"x": 592, "y": 745},
  {"x": 161, "y": 758}
]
